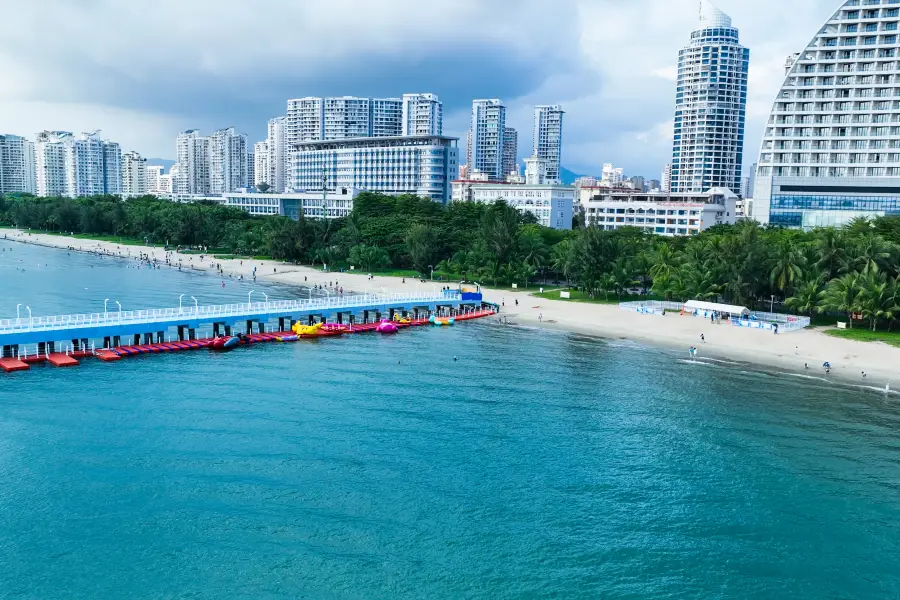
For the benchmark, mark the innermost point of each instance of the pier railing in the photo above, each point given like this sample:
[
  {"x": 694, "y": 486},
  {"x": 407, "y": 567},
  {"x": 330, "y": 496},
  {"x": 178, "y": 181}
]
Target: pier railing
[{"x": 225, "y": 311}]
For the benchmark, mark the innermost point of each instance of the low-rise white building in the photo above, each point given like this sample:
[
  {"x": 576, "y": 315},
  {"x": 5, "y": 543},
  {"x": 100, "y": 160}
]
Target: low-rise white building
[
  {"x": 668, "y": 214},
  {"x": 552, "y": 204},
  {"x": 337, "y": 203}
]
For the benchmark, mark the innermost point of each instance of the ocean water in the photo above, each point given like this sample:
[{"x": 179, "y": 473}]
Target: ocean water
[{"x": 536, "y": 465}]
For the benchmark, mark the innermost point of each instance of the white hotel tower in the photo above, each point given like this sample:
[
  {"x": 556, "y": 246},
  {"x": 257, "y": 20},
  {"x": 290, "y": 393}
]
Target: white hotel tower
[
  {"x": 831, "y": 149},
  {"x": 710, "y": 106}
]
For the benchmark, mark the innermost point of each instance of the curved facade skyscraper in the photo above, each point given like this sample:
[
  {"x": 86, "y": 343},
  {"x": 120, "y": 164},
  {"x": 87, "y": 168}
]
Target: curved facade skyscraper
[
  {"x": 710, "y": 106},
  {"x": 831, "y": 149}
]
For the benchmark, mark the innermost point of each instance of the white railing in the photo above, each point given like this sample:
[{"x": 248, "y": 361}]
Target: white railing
[
  {"x": 756, "y": 320},
  {"x": 224, "y": 311}
]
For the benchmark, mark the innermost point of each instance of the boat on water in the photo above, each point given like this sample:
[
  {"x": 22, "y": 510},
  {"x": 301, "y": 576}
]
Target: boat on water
[
  {"x": 318, "y": 330},
  {"x": 442, "y": 321},
  {"x": 225, "y": 343},
  {"x": 386, "y": 327}
]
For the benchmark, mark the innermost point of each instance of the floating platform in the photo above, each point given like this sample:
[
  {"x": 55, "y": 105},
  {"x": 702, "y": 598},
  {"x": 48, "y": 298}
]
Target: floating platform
[
  {"x": 117, "y": 353},
  {"x": 58, "y": 359},
  {"x": 13, "y": 364}
]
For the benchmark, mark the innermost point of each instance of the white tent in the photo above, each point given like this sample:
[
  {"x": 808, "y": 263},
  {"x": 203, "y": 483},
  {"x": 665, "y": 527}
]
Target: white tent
[{"x": 692, "y": 305}]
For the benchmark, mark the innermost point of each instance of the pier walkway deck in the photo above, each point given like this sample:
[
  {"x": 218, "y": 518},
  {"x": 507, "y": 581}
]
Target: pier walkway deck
[{"x": 116, "y": 328}]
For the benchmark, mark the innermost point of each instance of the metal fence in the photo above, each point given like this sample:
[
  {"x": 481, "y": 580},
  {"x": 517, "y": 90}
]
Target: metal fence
[
  {"x": 756, "y": 320},
  {"x": 225, "y": 311}
]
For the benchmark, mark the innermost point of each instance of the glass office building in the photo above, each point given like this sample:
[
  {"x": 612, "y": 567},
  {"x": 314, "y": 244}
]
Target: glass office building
[{"x": 831, "y": 149}]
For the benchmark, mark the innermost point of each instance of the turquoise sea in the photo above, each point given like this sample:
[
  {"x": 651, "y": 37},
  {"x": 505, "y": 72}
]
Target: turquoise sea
[{"x": 538, "y": 465}]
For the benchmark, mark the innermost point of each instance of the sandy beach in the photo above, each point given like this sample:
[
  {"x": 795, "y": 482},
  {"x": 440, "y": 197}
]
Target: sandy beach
[{"x": 786, "y": 352}]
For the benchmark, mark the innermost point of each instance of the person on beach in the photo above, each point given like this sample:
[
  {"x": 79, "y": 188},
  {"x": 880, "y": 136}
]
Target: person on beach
[
  {"x": 863, "y": 374},
  {"x": 540, "y": 317},
  {"x": 702, "y": 338}
]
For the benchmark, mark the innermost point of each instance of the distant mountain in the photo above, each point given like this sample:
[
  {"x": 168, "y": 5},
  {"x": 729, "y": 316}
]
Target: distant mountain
[
  {"x": 568, "y": 177},
  {"x": 162, "y": 162}
]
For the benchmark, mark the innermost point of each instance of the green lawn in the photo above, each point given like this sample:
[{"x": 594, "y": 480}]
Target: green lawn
[
  {"x": 863, "y": 334},
  {"x": 579, "y": 296}
]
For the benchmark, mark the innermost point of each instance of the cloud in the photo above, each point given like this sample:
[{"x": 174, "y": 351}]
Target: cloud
[{"x": 142, "y": 73}]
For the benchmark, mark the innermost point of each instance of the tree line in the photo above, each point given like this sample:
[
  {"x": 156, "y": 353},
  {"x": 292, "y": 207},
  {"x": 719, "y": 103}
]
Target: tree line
[{"x": 851, "y": 271}]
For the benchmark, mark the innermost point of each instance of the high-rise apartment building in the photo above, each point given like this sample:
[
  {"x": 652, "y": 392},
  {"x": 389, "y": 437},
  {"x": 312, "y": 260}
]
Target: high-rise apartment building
[
  {"x": 227, "y": 161},
  {"x": 612, "y": 176},
  {"x": 51, "y": 152},
  {"x": 86, "y": 169},
  {"x": 831, "y": 147},
  {"x": 261, "y": 171},
  {"x": 548, "y": 121},
  {"x": 304, "y": 120},
  {"x": 134, "y": 175},
  {"x": 347, "y": 117},
  {"x": 17, "y": 171},
  {"x": 73, "y": 167},
  {"x": 422, "y": 115},
  {"x": 486, "y": 147},
  {"x": 510, "y": 151},
  {"x": 710, "y": 106},
  {"x": 112, "y": 168},
  {"x": 340, "y": 118},
  {"x": 277, "y": 143},
  {"x": 666, "y": 181},
  {"x": 386, "y": 117},
  {"x": 192, "y": 159},
  {"x": 154, "y": 178}
]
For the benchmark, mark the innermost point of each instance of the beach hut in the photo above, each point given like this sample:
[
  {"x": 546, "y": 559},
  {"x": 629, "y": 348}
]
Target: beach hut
[{"x": 697, "y": 306}]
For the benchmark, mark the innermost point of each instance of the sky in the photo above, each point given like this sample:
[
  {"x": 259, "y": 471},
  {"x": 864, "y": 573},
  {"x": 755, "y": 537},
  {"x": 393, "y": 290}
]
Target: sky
[{"x": 141, "y": 73}]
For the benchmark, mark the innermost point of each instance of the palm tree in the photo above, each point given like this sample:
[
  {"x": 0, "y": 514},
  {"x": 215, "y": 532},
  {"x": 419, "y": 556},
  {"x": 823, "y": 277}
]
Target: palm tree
[
  {"x": 872, "y": 250},
  {"x": 532, "y": 248},
  {"x": 786, "y": 266},
  {"x": 664, "y": 260},
  {"x": 698, "y": 283},
  {"x": 806, "y": 297},
  {"x": 832, "y": 249},
  {"x": 858, "y": 226},
  {"x": 877, "y": 296},
  {"x": 623, "y": 275},
  {"x": 842, "y": 295},
  {"x": 607, "y": 282},
  {"x": 561, "y": 258}
]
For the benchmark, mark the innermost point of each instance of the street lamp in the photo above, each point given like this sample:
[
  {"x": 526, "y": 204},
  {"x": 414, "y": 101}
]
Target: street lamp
[
  {"x": 17, "y": 313},
  {"x": 248, "y": 298},
  {"x": 120, "y": 308},
  {"x": 196, "y": 307},
  {"x": 29, "y": 316},
  {"x": 105, "y": 300},
  {"x": 772, "y": 304},
  {"x": 267, "y": 300},
  {"x": 432, "y": 271},
  {"x": 179, "y": 302}
]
